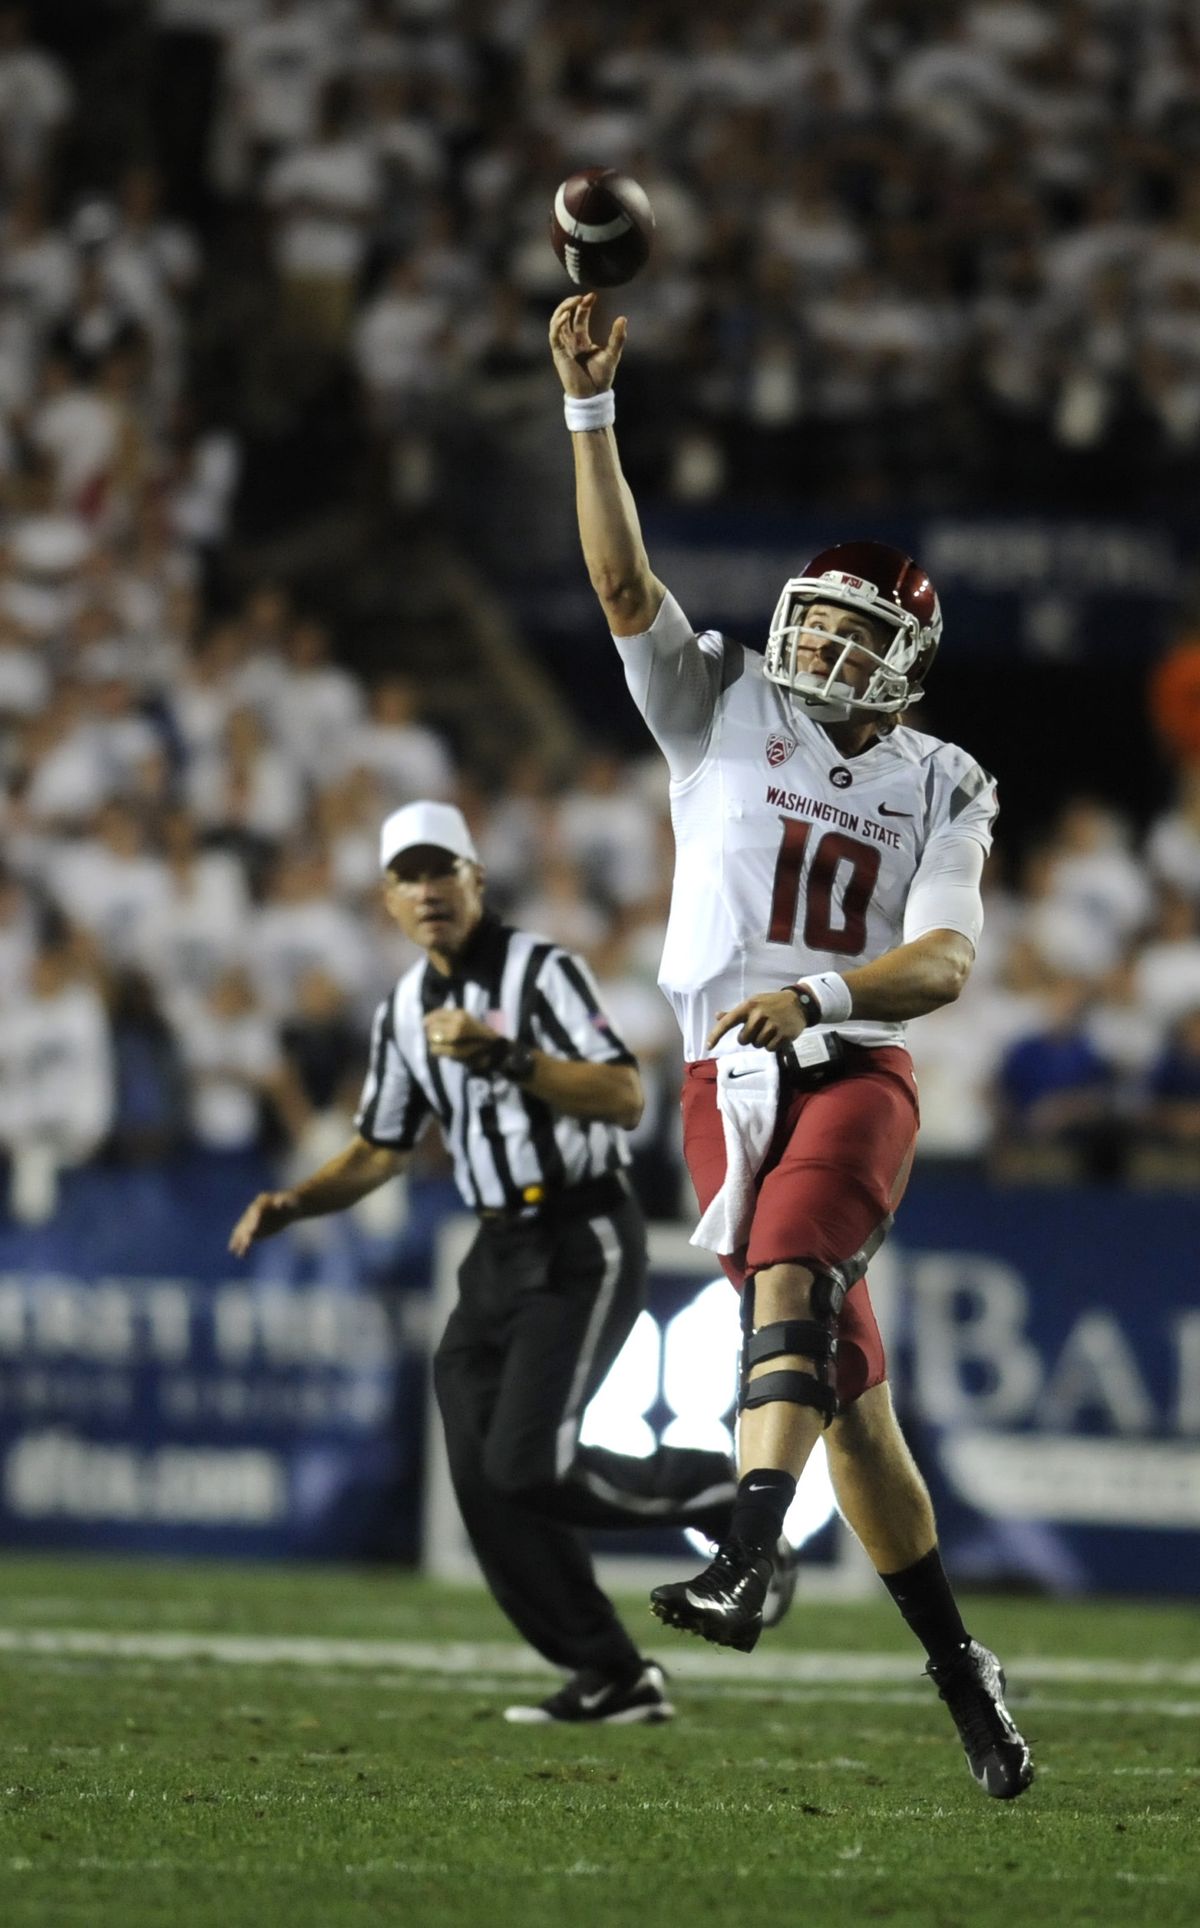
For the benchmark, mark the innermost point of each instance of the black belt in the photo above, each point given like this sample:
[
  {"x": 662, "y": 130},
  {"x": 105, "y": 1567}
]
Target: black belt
[
  {"x": 542, "y": 1206},
  {"x": 809, "y": 1077}
]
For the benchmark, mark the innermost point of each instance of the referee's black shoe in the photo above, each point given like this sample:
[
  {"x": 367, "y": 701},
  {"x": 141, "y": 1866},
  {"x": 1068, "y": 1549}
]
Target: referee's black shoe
[
  {"x": 596, "y": 1698},
  {"x": 972, "y": 1686},
  {"x": 723, "y": 1604}
]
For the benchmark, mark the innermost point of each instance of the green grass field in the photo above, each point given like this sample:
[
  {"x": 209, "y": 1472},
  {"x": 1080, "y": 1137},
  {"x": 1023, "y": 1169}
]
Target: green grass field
[{"x": 218, "y": 1745}]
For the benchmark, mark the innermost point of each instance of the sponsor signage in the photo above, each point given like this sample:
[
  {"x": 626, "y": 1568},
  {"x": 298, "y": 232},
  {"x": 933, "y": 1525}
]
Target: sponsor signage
[
  {"x": 1054, "y": 590},
  {"x": 1046, "y": 1356},
  {"x": 1046, "y": 589},
  {"x": 1044, "y": 1347},
  {"x": 173, "y": 1414}
]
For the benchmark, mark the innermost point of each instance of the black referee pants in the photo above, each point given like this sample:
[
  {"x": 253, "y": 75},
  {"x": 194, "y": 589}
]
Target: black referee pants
[{"x": 543, "y": 1311}]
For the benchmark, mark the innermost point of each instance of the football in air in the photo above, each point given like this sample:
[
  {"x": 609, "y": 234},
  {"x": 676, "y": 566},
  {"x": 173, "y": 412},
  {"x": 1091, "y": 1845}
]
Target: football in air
[{"x": 601, "y": 227}]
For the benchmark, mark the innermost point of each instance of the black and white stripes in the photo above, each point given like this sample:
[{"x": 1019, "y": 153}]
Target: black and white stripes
[{"x": 506, "y": 1144}]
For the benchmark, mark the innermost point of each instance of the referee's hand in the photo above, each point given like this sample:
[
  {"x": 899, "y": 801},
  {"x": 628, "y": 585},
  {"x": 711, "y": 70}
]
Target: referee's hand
[
  {"x": 455, "y": 1034},
  {"x": 262, "y": 1218}
]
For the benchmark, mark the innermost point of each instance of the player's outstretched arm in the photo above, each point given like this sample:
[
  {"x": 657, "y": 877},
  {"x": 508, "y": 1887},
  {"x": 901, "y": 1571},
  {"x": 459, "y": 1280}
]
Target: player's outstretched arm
[
  {"x": 348, "y": 1176},
  {"x": 630, "y": 594}
]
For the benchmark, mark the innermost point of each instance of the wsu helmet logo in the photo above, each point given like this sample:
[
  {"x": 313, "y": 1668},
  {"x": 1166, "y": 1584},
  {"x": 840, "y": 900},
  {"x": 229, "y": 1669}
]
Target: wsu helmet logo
[{"x": 779, "y": 749}]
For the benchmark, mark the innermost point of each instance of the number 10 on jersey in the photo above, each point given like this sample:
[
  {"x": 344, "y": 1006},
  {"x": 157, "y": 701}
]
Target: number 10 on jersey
[{"x": 835, "y": 849}]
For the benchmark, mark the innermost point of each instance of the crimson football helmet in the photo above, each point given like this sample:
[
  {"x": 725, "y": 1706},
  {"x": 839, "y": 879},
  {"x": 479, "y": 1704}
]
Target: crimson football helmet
[{"x": 877, "y": 581}]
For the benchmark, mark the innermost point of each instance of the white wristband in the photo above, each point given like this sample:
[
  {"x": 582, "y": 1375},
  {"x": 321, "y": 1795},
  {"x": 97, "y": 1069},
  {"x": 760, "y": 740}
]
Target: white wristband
[
  {"x": 590, "y": 411},
  {"x": 832, "y": 995}
]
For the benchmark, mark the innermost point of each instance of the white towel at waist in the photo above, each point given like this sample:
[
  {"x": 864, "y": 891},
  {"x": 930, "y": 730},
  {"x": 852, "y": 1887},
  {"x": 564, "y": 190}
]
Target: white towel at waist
[{"x": 748, "y": 1101}]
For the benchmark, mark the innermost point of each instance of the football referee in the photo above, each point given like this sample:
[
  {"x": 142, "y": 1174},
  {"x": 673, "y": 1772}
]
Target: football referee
[{"x": 499, "y": 1036}]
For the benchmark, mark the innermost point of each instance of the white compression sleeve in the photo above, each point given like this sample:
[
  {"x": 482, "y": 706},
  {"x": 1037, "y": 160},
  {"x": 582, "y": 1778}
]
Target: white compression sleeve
[
  {"x": 945, "y": 893},
  {"x": 675, "y": 678}
]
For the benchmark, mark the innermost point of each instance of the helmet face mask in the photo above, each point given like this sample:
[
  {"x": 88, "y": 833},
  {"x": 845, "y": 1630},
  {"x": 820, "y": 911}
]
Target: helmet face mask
[{"x": 874, "y": 581}]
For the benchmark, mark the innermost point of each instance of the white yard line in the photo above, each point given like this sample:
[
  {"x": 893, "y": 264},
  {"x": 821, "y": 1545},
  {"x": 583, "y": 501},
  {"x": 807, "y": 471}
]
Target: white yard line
[
  {"x": 851, "y": 1865},
  {"x": 767, "y": 1669},
  {"x": 162, "y": 1864},
  {"x": 763, "y": 1691}
]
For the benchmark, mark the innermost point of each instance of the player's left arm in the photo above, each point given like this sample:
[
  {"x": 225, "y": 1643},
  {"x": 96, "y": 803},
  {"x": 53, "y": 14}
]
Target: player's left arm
[
  {"x": 943, "y": 919},
  {"x": 905, "y": 983},
  {"x": 943, "y": 922},
  {"x": 913, "y": 979}
]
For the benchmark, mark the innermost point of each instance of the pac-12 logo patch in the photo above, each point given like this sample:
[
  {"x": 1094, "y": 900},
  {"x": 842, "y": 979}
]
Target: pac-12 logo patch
[{"x": 779, "y": 749}]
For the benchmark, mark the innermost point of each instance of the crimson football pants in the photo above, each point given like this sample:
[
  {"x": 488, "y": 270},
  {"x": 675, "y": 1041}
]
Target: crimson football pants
[{"x": 835, "y": 1172}]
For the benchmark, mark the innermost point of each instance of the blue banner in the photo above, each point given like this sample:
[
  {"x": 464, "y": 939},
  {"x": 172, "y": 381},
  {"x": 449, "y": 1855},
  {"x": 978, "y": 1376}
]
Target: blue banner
[
  {"x": 155, "y": 1395},
  {"x": 1044, "y": 1348},
  {"x": 1043, "y": 589},
  {"x": 158, "y": 1413},
  {"x": 1046, "y": 1360}
]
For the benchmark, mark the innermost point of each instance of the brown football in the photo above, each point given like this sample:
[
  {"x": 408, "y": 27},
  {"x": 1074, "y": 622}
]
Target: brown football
[{"x": 601, "y": 227}]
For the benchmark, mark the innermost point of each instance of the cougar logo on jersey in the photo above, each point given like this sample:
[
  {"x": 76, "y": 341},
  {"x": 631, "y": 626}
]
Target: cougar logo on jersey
[
  {"x": 779, "y": 749},
  {"x": 840, "y": 777}
]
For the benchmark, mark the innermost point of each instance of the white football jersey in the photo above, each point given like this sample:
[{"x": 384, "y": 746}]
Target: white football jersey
[{"x": 791, "y": 859}]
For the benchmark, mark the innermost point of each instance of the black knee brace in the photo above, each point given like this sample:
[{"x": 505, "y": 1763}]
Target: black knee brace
[{"x": 814, "y": 1339}]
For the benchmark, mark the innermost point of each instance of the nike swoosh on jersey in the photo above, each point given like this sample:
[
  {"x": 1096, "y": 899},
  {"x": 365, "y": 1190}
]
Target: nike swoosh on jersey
[{"x": 885, "y": 812}]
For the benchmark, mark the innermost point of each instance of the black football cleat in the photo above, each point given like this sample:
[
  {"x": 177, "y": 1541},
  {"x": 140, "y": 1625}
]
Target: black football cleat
[
  {"x": 723, "y": 1604},
  {"x": 595, "y": 1699},
  {"x": 972, "y": 1686},
  {"x": 781, "y": 1587}
]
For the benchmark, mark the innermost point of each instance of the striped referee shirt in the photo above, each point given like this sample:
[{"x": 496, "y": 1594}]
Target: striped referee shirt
[{"x": 508, "y": 1147}]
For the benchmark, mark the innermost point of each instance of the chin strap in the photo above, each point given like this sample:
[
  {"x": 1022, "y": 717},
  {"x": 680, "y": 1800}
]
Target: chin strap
[{"x": 822, "y": 709}]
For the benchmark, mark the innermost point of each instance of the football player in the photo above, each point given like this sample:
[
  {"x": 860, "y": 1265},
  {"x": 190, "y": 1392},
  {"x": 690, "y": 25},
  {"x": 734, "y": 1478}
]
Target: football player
[{"x": 828, "y": 863}]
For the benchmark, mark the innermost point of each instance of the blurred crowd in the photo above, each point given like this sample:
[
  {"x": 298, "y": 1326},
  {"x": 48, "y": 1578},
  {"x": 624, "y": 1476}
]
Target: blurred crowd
[
  {"x": 1075, "y": 1049},
  {"x": 957, "y": 242},
  {"x": 889, "y": 224},
  {"x": 192, "y": 940}
]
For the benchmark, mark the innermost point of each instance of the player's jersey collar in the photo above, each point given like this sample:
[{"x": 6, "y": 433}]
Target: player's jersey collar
[{"x": 882, "y": 750}]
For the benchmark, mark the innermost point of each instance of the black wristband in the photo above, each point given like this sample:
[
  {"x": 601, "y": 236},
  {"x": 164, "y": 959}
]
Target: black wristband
[
  {"x": 489, "y": 1060},
  {"x": 515, "y": 1062},
  {"x": 807, "y": 1002}
]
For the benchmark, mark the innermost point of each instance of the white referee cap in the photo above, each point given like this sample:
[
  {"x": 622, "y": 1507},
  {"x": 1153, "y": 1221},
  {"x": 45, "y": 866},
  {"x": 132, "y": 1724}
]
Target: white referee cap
[{"x": 439, "y": 824}]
